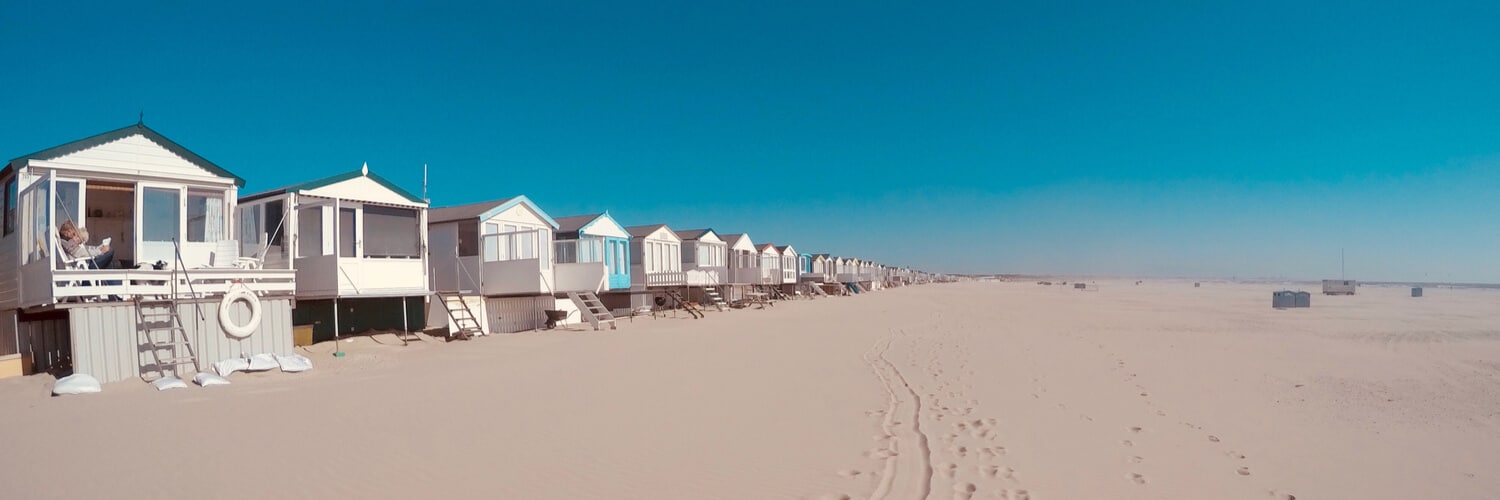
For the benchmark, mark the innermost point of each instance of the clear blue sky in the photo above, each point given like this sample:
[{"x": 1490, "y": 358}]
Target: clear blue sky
[{"x": 1164, "y": 139}]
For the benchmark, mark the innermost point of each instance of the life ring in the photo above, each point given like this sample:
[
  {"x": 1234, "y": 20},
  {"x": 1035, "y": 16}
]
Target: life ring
[{"x": 239, "y": 292}]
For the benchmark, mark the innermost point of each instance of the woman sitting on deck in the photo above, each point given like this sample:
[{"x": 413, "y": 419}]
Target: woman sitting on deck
[{"x": 73, "y": 240}]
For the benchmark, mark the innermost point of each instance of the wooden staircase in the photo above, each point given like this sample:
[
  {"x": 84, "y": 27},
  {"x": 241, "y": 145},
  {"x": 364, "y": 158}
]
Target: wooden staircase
[
  {"x": 463, "y": 317},
  {"x": 591, "y": 309},
  {"x": 158, "y": 317},
  {"x": 684, "y": 304},
  {"x": 713, "y": 296}
]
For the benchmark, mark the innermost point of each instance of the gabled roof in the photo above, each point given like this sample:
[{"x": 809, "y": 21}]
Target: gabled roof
[
  {"x": 573, "y": 223},
  {"x": 693, "y": 234},
  {"x": 574, "y": 226},
  {"x": 484, "y": 210},
  {"x": 783, "y": 248},
  {"x": 767, "y": 246},
  {"x": 55, "y": 152},
  {"x": 646, "y": 230},
  {"x": 335, "y": 179}
]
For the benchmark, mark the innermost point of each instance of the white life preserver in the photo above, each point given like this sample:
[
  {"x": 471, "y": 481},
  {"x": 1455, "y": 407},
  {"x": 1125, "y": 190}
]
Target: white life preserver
[{"x": 239, "y": 292}]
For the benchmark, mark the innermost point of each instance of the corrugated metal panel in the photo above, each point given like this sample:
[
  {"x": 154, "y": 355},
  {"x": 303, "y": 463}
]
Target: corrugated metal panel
[
  {"x": 107, "y": 343},
  {"x": 517, "y": 314}
]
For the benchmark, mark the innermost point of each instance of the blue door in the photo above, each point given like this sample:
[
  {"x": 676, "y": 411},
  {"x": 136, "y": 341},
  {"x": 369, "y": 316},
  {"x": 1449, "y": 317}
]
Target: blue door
[{"x": 617, "y": 260}]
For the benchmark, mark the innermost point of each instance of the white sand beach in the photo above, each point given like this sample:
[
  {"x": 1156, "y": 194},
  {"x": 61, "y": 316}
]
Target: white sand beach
[{"x": 968, "y": 390}]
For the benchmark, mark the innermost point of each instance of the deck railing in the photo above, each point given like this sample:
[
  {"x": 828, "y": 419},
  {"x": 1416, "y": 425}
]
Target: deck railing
[
  {"x": 666, "y": 278},
  {"x": 127, "y": 283}
]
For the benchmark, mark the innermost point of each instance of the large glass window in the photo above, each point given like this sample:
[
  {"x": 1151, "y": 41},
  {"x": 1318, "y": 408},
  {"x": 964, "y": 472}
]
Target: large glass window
[
  {"x": 69, "y": 206},
  {"x": 310, "y": 232},
  {"x": 161, "y": 214},
  {"x": 36, "y": 237},
  {"x": 251, "y": 233},
  {"x": 491, "y": 243},
  {"x": 468, "y": 238},
  {"x": 392, "y": 232},
  {"x": 346, "y": 232},
  {"x": 205, "y": 212},
  {"x": 275, "y": 212}
]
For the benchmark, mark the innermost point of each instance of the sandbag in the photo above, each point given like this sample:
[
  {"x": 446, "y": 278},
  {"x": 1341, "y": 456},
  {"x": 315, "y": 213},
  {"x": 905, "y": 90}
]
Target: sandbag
[
  {"x": 168, "y": 382},
  {"x": 294, "y": 363},
  {"x": 231, "y": 365},
  {"x": 75, "y": 384},
  {"x": 206, "y": 379},
  {"x": 262, "y": 362}
]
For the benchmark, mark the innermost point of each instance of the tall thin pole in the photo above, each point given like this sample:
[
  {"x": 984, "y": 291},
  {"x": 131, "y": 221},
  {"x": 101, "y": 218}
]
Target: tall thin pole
[{"x": 424, "y": 184}]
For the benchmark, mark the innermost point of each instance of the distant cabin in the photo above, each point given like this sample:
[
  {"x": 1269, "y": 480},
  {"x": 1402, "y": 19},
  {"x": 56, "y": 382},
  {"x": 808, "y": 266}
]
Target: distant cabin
[{"x": 1339, "y": 287}]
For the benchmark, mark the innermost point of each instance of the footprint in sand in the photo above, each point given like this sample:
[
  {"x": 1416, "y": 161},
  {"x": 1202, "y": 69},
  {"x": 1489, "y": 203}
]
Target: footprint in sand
[
  {"x": 961, "y": 451},
  {"x": 1235, "y": 455},
  {"x": 1280, "y": 495},
  {"x": 828, "y": 496},
  {"x": 1137, "y": 478},
  {"x": 880, "y": 454},
  {"x": 1213, "y": 438},
  {"x": 948, "y": 470},
  {"x": 1135, "y": 459},
  {"x": 1128, "y": 443},
  {"x": 1243, "y": 471},
  {"x": 990, "y": 470},
  {"x": 1135, "y": 430},
  {"x": 992, "y": 452},
  {"x": 850, "y": 473},
  {"x": 1013, "y": 495},
  {"x": 964, "y": 491}
]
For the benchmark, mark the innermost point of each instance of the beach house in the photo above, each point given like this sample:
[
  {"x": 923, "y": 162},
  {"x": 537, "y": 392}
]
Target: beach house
[
  {"x": 150, "y": 281},
  {"x": 770, "y": 267},
  {"x": 586, "y": 246},
  {"x": 358, "y": 245},
  {"x": 789, "y": 269},
  {"x": 704, "y": 261},
  {"x": 656, "y": 276},
  {"x": 492, "y": 266},
  {"x": 743, "y": 263}
]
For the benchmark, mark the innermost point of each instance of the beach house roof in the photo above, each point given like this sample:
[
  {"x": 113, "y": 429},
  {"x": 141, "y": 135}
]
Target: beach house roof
[
  {"x": 486, "y": 209},
  {"x": 363, "y": 177},
  {"x": 123, "y": 133}
]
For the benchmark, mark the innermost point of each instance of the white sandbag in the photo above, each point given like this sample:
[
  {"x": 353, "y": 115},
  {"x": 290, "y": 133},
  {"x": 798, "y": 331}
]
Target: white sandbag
[
  {"x": 231, "y": 365},
  {"x": 206, "y": 379},
  {"x": 75, "y": 384},
  {"x": 294, "y": 363},
  {"x": 169, "y": 382},
  {"x": 262, "y": 362}
]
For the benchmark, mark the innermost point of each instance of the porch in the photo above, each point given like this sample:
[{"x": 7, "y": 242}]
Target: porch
[
  {"x": 328, "y": 276},
  {"x": 79, "y": 285}
]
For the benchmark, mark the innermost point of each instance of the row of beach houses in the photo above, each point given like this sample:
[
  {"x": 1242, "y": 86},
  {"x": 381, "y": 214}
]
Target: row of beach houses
[{"x": 200, "y": 273}]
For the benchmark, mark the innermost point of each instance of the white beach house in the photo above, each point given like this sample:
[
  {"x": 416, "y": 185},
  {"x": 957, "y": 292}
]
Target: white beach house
[
  {"x": 164, "y": 213},
  {"x": 494, "y": 259},
  {"x": 358, "y": 244},
  {"x": 743, "y": 266},
  {"x": 705, "y": 259}
]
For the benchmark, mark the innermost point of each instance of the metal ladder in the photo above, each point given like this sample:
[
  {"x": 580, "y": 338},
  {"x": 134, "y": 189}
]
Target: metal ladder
[
  {"x": 691, "y": 309},
  {"x": 591, "y": 309},
  {"x": 164, "y": 317},
  {"x": 462, "y": 316}
]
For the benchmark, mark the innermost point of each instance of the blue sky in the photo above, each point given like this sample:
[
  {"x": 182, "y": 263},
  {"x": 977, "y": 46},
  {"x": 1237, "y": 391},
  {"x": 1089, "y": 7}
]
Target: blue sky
[{"x": 1156, "y": 138}]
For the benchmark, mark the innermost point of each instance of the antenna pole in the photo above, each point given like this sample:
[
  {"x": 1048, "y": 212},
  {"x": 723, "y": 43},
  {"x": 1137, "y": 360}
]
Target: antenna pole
[{"x": 424, "y": 184}]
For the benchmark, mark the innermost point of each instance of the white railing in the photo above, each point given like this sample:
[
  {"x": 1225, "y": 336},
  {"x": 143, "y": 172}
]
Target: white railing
[
  {"x": 127, "y": 283},
  {"x": 666, "y": 278}
]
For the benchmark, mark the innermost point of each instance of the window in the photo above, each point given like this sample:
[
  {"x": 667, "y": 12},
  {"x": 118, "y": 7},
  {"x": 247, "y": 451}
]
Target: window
[
  {"x": 10, "y": 205},
  {"x": 275, "y": 211},
  {"x": 250, "y": 229},
  {"x": 161, "y": 214},
  {"x": 468, "y": 238},
  {"x": 346, "y": 232},
  {"x": 205, "y": 212},
  {"x": 528, "y": 244},
  {"x": 392, "y": 232},
  {"x": 491, "y": 243},
  {"x": 309, "y": 232}
]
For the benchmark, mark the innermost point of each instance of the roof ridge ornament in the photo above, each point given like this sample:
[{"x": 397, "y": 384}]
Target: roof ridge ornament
[{"x": 365, "y": 170}]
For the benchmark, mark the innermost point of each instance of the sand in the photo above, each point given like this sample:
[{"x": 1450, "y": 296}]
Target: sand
[{"x": 968, "y": 390}]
